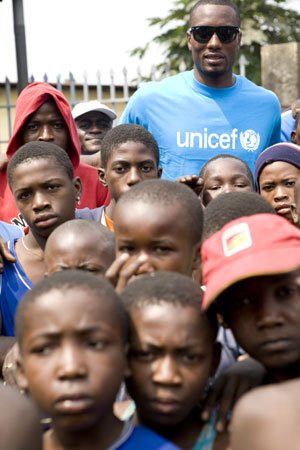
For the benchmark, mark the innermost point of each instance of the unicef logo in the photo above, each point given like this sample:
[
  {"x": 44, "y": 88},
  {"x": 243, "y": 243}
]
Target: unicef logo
[{"x": 250, "y": 140}]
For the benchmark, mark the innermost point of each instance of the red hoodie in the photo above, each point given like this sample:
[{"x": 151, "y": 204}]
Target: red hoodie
[{"x": 28, "y": 102}]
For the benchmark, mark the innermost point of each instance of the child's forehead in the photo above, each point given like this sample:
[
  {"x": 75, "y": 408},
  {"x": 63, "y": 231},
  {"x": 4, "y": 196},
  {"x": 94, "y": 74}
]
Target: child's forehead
[
  {"x": 221, "y": 164},
  {"x": 130, "y": 149},
  {"x": 169, "y": 325}
]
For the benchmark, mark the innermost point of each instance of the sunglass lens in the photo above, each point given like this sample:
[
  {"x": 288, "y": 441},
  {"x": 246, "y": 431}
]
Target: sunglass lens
[
  {"x": 203, "y": 34},
  {"x": 227, "y": 34}
]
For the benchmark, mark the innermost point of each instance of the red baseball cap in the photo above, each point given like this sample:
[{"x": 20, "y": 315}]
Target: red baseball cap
[{"x": 262, "y": 244}]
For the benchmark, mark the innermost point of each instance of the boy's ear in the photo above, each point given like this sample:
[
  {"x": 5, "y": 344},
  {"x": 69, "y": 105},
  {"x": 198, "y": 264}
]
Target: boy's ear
[
  {"x": 197, "y": 257},
  {"x": 102, "y": 177},
  {"x": 127, "y": 372},
  {"x": 21, "y": 379},
  {"x": 78, "y": 187},
  {"x": 222, "y": 321},
  {"x": 159, "y": 172},
  {"x": 293, "y": 137}
]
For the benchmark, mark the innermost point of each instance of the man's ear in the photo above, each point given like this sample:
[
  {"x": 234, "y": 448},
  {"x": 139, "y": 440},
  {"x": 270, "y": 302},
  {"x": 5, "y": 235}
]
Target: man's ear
[
  {"x": 159, "y": 172},
  {"x": 102, "y": 177},
  {"x": 189, "y": 37},
  {"x": 293, "y": 137}
]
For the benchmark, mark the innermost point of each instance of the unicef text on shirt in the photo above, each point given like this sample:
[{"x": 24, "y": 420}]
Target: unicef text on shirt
[{"x": 248, "y": 139}]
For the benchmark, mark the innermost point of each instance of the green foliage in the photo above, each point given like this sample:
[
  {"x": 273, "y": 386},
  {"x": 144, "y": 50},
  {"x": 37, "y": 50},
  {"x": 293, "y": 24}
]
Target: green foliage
[{"x": 262, "y": 22}]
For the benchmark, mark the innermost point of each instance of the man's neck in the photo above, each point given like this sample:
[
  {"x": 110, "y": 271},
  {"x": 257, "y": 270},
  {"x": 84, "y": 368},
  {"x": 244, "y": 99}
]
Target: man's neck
[{"x": 222, "y": 81}]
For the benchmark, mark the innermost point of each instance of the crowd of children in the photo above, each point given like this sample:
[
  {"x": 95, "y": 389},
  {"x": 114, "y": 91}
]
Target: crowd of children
[{"x": 136, "y": 312}]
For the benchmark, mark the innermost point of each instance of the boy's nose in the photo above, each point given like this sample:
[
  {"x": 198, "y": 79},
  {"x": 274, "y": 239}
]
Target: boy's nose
[
  {"x": 280, "y": 194},
  {"x": 268, "y": 313},
  {"x": 46, "y": 133},
  {"x": 40, "y": 201},
  {"x": 72, "y": 364},
  {"x": 165, "y": 371},
  {"x": 133, "y": 177}
]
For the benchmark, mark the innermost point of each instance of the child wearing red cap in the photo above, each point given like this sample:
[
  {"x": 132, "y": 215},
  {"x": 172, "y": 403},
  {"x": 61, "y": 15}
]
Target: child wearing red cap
[{"x": 251, "y": 270}]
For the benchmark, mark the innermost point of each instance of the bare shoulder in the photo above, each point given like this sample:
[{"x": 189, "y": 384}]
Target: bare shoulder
[{"x": 267, "y": 418}]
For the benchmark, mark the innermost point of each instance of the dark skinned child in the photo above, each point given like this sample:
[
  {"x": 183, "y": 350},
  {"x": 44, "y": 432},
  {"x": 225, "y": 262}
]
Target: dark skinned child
[{"x": 72, "y": 364}]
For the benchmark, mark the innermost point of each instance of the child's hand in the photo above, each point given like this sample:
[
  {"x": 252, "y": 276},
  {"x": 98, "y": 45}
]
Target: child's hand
[
  {"x": 229, "y": 387},
  {"x": 192, "y": 181},
  {"x": 5, "y": 254},
  {"x": 124, "y": 268}
]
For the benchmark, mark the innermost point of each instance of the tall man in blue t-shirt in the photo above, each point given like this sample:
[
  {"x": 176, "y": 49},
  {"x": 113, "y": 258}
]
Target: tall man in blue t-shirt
[{"x": 206, "y": 111}]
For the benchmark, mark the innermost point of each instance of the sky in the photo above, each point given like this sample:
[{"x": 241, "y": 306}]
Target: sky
[
  {"x": 81, "y": 37},
  {"x": 84, "y": 37}
]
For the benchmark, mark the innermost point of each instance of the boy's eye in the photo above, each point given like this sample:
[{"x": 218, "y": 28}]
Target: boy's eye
[
  {"x": 285, "y": 292},
  {"x": 126, "y": 249},
  {"x": 53, "y": 187},
  {"x": 242, "y": 302},
  {"x": 32, "y": 126},
  {"x": 147, "y": 169},
  {"x": 267, "y": 187},
  {"x": 143, "y": 355},
  {"x": 43, "y": 349},
  {"x": 59, "y": 125},
  {"x": 97, "y": 344},
  {"x": 191, "y": 358},
  {"x": 290, "y": 183},
  {"x": 23, "y": 196},
  {"x": 240, "y": 185},
  {"x": 120, "y": 169},
  {"x": 162, "y": 250},
  {"x": 214, "y": 188}
]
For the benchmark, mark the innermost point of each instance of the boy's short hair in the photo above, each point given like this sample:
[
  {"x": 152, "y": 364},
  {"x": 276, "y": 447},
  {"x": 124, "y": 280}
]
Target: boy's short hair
[
  {"x": 125, "y": 133},
  {"x": 165, "y": 287},
  {"x": 169, "y": 193},
  {"x": 71, "y": 279},
  {"x": 230, "y": 206},
  {"x": 80, "y": 226},
  {"x": 226, "y": 156},
  {"x": 40, "y": 150},
  {"x": 261, "y": 244}
]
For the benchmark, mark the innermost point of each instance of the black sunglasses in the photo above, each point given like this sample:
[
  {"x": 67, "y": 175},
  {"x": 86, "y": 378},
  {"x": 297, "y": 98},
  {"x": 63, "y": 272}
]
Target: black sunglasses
[{"x": 203, "y": 34}]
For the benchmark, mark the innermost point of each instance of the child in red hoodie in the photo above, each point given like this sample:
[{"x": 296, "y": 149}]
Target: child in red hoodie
[{"x": 43, "y": 114}]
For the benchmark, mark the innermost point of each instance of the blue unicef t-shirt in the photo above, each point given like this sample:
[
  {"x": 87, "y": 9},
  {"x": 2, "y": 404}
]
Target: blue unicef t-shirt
[{"x": 192, "y": 122}]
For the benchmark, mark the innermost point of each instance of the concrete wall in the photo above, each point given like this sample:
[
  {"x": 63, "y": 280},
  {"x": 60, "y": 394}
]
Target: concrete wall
[{"x": 280, "y": 64}]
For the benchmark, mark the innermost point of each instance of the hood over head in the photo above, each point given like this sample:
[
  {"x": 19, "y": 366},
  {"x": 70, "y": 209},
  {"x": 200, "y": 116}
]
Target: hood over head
[{"x": 29, "y": 101}]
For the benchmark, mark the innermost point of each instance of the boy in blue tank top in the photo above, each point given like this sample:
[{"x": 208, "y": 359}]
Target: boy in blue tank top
[{"x": 72, "y": 364}]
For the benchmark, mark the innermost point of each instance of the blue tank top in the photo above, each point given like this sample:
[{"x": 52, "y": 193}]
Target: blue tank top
[{"x": 14, "y": 285}]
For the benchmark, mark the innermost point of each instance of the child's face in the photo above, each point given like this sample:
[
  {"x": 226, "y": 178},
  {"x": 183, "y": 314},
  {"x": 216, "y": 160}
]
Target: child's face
[
  {"x": 73, "y": 356},
  {"x": 83, "y": 252},
  {"x": 47, "y": 124},
  {"x": 158, "y": 233},
  {"x": 276, "y": 183},
  {"x": 224, "y": 175},
  {"x": 172, "y": 354},
  {"x": 44, "y": 194},
  {"x": 129, "y": 164},
  {"x": 264, "y": 315}
]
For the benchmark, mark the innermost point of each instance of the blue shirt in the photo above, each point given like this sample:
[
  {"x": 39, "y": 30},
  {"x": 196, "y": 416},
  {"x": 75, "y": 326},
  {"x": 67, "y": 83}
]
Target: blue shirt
[
  {"x": 14, "y": 285},
  {"x": 192, "y": 122}
]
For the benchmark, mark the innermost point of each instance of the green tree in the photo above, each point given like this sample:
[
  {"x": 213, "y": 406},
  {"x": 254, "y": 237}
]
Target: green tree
[{"x": 262, "y": 22}]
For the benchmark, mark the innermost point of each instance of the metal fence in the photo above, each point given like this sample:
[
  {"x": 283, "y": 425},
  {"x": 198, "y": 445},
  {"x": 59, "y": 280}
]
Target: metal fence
[{"x": 115, "y": 95}]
